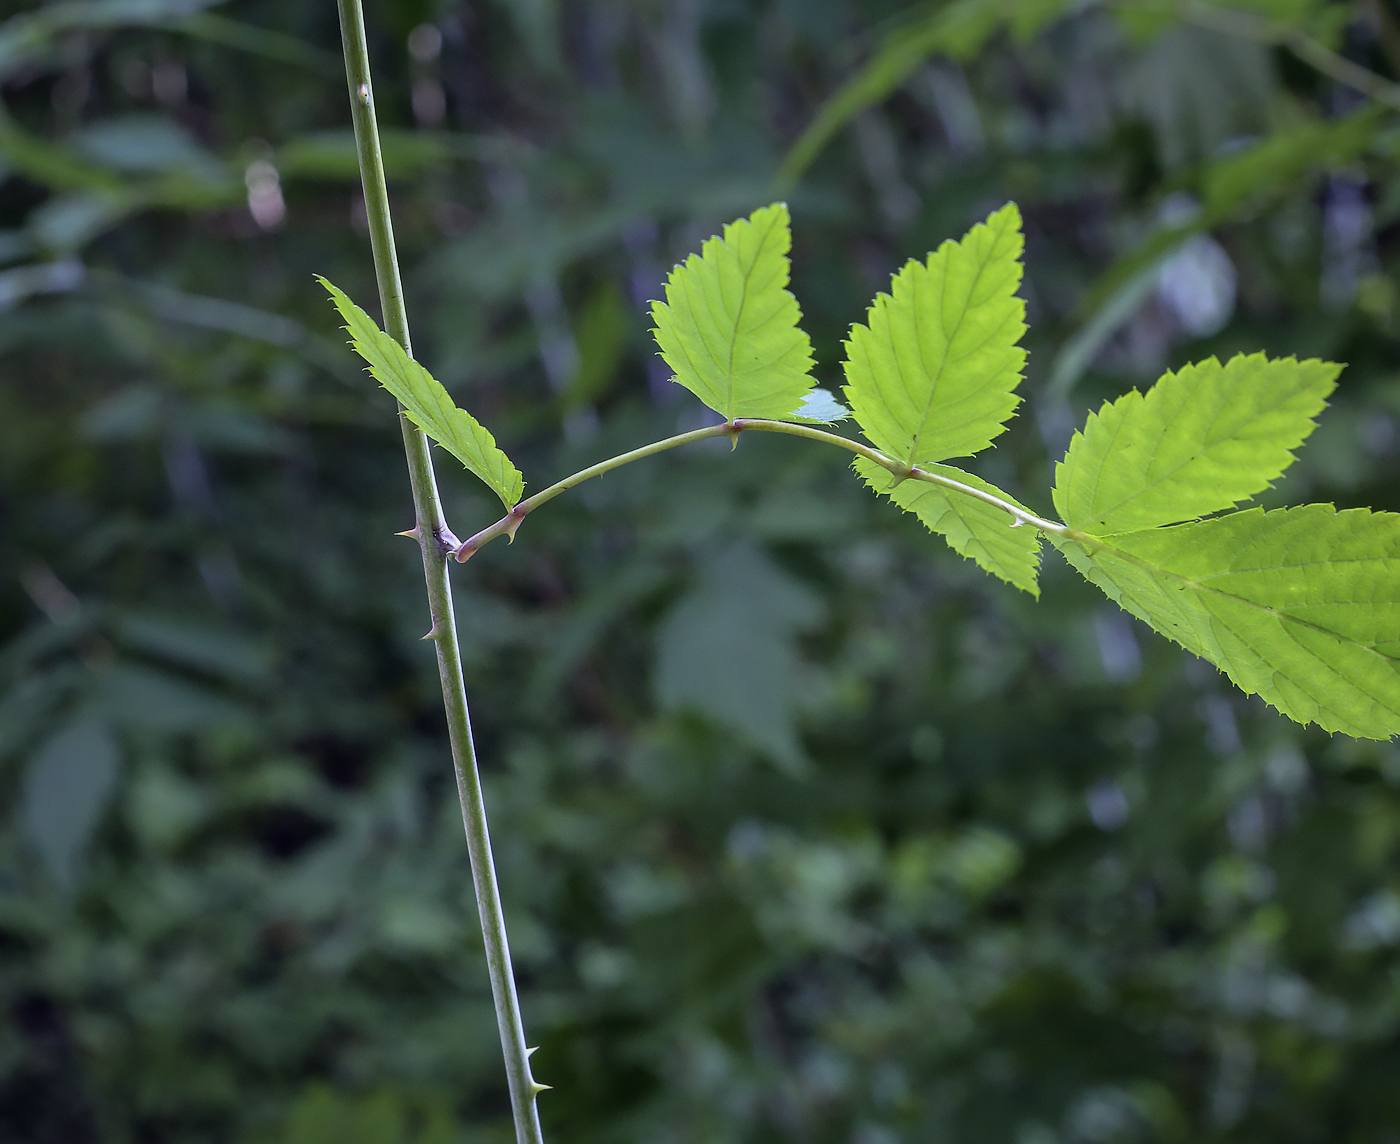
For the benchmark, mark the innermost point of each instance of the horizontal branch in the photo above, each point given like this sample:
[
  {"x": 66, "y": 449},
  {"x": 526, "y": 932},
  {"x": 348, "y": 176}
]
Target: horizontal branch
[{"x": 509, "y": 523}]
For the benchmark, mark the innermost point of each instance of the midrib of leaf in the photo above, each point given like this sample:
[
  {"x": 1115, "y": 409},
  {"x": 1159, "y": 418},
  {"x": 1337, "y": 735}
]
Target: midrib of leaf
[
  {"x": 738, "y": 316},
  {"x": 1097, "y": 543},
  {"x": 1155, "y": 481},
  {"x": 947, "y": 360}
]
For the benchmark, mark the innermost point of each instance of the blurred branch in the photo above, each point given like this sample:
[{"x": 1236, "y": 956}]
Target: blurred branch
[
  {"x": 1246, "y": 25},
  {"x": 260, "y": 42}
]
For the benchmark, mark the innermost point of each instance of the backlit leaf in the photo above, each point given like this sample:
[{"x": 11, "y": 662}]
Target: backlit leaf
[
  {"x": 728, "y": 327},
  {"x": 1199, "y": 441},
  {"x": 933, "y": 373},
  {"x": 1300, "y": 606},
  {"x": 971, "y": 527},
  {"x": 428, "y": 403}
]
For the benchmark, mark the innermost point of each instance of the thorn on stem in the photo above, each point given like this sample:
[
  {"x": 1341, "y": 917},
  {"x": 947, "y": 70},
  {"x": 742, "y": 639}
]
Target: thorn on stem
[
  {"x": 536, "y": 1088},
  {"x": 434, "y": 634},
  {"x": 412, "y": 533},
  {"x": 514, "y": 519}
]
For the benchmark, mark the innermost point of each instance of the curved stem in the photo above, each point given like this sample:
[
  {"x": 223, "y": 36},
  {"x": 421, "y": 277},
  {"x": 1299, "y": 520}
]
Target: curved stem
[
  {"x": 1249, "y": 26},
  {"x": 436, "y": 542},
  {"x": 509, "y": 523},
  {"x": 912, "y": 472}
]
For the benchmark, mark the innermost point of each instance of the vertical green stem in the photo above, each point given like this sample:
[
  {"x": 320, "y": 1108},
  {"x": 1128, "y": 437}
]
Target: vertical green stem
[{"x": 432, "y": 533}]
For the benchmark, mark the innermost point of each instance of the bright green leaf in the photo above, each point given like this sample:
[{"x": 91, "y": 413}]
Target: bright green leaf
[
  {"x": 428, "y": 403},
  {"x": 1300, "y": 606},
  {"x": 971, "y": 527},
  {"x": 933, "y": 374},
  {"x": 1199, "y": 441},
  {"x": 728, "y": 327}
]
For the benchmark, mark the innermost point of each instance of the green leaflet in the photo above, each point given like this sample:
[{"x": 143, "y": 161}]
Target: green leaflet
[
  {"x": 1199, "y": 441},
  {"x": 728, "y": 327},
  {"x": 1300, "y": 606},
  {"x": 933, "y": 374},
  {"x": 428, "y": 404},
  {"x": 971, "y": 527}
]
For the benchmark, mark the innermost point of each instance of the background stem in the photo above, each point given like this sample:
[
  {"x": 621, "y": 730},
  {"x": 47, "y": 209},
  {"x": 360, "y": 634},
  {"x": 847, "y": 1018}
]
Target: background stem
[{"x": 432, "y": 531}]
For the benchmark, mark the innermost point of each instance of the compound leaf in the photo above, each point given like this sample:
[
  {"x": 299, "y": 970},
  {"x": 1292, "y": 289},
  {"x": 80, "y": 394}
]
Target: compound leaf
[
  {"x": 728, "y": 327},
  {"x": 427, "y": 402},
  {"x": 1199, "y": 441},
  {"x": 1300, "y": 606},
  {"x": 933, "y": 373},
  {"x": 971, "y": 527}
]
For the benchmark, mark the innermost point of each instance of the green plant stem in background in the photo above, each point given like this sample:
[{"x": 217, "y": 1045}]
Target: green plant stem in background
[
  {"x": 508, "y": 524},
  {"x": 1249, "y": 26},
  {"x": 436, "y": 541}
]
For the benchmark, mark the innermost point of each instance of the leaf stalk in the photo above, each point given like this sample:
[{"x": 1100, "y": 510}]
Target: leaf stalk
[
  {"x": 509, "y": 523},
  {"x": 436, "y": 541}
]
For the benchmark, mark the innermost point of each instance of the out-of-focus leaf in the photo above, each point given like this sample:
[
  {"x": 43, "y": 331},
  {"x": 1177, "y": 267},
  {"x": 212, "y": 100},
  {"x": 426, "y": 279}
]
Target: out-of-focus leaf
[
  {"x": 142, "y": 143},
  {"x": 146, "y": 699},
  {"x": 218, "y": 651},
  {"x": 67, "y": 223},
  {"x": 726, "y": 651},
  {"x": 332, "y": 155},
  {"x": 67, "y": 785},
  {"x": 1230, "y": 184},
  {"x": 325, "y": 1116},
  {"x": 260, "y": 41},
  {"x": 31, "y": 704},
  {"x": 23, "y": 282},
  {"x": 14, "y": 244},
  {"x": 600, "y": 332},
  {"x": 27, "y": 36}
]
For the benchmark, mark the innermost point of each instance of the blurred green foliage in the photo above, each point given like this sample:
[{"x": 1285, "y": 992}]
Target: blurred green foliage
[{"x": 807, "y": 830}]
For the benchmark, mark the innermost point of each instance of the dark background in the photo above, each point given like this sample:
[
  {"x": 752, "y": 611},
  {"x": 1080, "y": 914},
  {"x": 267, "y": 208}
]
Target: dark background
[{"x": 807, "y": 830}]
